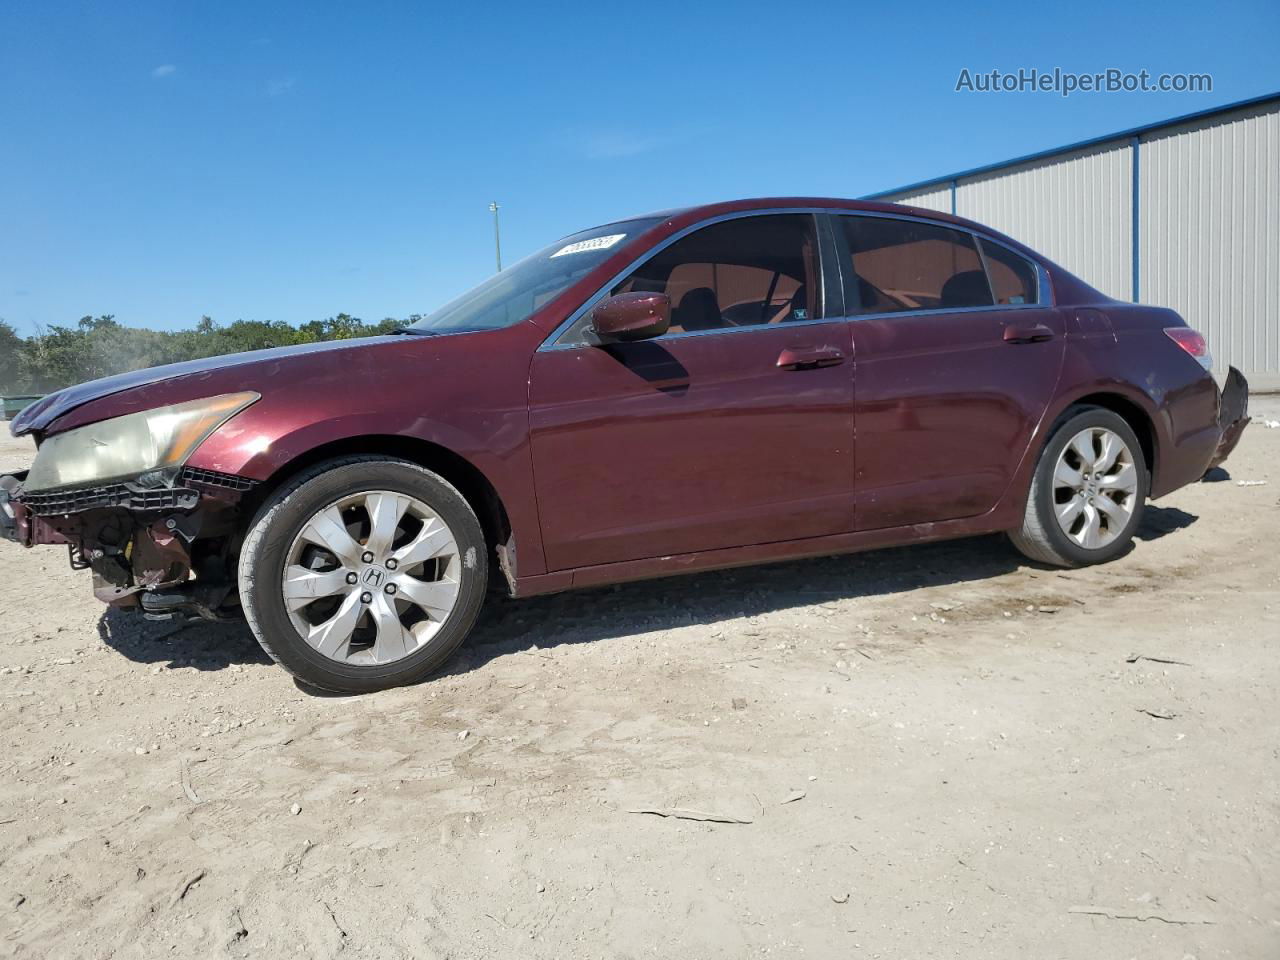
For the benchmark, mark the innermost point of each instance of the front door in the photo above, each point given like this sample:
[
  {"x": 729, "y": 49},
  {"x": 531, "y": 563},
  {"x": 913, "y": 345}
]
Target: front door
[
  {"x": 957, "y": 358},
  {"x": 735, "y": 428}
]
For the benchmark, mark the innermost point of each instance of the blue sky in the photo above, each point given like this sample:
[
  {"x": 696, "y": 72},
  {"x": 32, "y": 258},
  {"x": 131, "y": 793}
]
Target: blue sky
[{"x": 282, "y": 161}]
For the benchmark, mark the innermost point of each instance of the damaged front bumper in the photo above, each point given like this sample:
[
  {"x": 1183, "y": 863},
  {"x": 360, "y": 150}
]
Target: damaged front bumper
[
  {"x": 9, "y": 510},
  {"x": 159, "y": 546},
  {"x": 1233, "y": 415}
]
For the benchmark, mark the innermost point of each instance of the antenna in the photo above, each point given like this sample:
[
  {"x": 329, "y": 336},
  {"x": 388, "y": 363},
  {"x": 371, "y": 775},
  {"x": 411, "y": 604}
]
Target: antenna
[{"x": 497, "y": 235}]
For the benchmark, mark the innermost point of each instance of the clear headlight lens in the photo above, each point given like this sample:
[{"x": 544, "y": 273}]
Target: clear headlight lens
[{"x": 124, "y": 447}]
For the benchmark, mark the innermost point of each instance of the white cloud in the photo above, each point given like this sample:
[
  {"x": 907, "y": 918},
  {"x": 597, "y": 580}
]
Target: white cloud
[
  {"x": 612, "y": 144},
  {"x": 164, "y": 70}
]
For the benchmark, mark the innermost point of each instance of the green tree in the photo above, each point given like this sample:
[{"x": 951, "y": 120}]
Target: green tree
[
  {"x": 12, "y": 375},
  {"x": 99, "y": 346}
]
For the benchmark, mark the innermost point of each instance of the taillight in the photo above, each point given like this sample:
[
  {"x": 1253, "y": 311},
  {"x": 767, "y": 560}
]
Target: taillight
[{"x": 1193, "y": 342}]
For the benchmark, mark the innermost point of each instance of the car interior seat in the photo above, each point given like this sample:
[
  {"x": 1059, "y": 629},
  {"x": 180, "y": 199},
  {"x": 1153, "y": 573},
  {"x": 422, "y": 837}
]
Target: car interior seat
[
  {"x": 698, "y": 310},
  {"x": 968, "y": 288}
]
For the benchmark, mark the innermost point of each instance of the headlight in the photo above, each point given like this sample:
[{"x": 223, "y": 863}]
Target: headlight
[{"x": 126, "y": 446}]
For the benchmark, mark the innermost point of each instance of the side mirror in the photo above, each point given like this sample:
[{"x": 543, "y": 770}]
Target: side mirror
[{"x": 632, "y": 316}]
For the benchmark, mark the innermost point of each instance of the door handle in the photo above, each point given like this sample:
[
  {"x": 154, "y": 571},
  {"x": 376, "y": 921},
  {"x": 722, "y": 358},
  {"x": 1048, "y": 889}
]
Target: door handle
[
  {"x": 1015, "y": 333},
  {"x": 809, "y": 358}
]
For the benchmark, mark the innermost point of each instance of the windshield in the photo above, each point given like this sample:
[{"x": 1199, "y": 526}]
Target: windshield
[{"x": 513, "y": 295}]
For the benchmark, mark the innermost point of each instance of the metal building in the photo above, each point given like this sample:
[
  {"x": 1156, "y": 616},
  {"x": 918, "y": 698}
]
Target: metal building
[{"x": 1184, "y": 213}]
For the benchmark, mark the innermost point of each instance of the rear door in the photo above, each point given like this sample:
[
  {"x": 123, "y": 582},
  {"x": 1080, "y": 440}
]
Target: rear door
[
  {"x": 734, "y": 428},
  {"x": 957, "y": 357}
]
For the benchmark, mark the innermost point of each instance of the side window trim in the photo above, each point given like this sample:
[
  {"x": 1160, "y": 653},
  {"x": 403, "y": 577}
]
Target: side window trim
[
  {"x": 835, "y": 306},
  {"x": 853, "y": 309},
  {"x": 844, "y": 258},
  {"x": 986, "y": 270},
  {"x": 568, "y": 334}
]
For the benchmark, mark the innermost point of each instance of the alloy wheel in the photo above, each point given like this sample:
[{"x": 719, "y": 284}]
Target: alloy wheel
[
  {"x": 1095, "y": 487},
  {"x": 370, "y": 578}
]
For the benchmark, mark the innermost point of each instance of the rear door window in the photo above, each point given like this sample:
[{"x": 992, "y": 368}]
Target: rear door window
[{"x": 908, "y": 265}]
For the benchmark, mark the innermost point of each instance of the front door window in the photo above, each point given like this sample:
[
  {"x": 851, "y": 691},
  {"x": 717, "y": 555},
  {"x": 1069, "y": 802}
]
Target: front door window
[{"x": 745, "y": 272}]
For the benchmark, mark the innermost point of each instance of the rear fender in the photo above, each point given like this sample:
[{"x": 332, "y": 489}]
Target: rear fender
[{"x": 1152, "y": 377}]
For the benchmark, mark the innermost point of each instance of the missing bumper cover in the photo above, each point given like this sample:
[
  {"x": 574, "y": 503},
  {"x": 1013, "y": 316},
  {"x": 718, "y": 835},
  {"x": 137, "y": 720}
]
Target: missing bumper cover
[{"x": 159, "y": 543}]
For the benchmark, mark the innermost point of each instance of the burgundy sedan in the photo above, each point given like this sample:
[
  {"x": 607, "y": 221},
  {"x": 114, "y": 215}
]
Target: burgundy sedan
[{"x": 709, "y": 387}]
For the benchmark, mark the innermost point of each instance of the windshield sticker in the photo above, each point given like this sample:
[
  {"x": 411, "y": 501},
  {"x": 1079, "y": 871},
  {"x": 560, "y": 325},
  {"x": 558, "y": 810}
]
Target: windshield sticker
[{"x": 582, "y": 246}]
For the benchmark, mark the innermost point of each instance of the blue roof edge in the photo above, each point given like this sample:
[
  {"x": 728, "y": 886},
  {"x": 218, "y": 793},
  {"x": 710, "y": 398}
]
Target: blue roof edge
[{"x": 1128, "y": 134}]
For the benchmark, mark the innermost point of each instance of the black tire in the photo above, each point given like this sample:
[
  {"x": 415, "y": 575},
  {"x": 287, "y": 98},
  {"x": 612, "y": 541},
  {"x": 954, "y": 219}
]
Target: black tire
[
  {"x": 1040, "y": 537},
  {"x": 282, "y": 516}
]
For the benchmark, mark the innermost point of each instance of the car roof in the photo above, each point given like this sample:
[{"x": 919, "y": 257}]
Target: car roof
[
  {"x": 716, "y": 208},
  {"x": 703, "y": 211}
]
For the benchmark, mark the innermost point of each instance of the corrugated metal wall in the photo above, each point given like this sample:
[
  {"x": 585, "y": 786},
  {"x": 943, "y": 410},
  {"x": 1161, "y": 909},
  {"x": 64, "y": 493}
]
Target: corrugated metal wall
[
  {"x": 1209, "y": 232},
  {"x": 929, "y": 199},
  {"x": 1076, "y": 210}
]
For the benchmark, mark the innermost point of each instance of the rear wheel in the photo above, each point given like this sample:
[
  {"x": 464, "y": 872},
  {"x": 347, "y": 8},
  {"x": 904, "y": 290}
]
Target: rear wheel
[
  {"x": 363, "y": 573},
  {"x": 1088, "y": 491}
]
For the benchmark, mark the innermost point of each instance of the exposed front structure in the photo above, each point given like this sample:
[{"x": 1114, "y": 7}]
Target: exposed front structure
[{"x": 1183, "y": 213}]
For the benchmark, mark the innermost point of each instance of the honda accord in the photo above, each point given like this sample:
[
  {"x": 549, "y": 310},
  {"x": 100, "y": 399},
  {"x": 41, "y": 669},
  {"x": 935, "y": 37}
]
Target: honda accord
[{"x": 708, "y": 387}]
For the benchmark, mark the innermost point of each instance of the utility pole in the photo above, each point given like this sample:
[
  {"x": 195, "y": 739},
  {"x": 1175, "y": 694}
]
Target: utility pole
[{"x": 497, "y": 235}]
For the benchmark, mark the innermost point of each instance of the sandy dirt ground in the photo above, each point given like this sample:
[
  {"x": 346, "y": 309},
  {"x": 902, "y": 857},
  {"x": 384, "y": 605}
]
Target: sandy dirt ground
[{"x": 938, "y": 751}]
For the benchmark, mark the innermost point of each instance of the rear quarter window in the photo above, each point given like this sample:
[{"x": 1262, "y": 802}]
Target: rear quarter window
[{"x": 1013, "y": 277}]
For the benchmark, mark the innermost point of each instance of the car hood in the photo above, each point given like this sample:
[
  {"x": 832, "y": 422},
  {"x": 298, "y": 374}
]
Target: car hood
[{"x": 39, "y": 415}]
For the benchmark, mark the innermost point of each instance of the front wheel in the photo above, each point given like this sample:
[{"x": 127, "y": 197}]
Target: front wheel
[
  {"x": 363, "y": 573},
  {"x": 1088, "y": 491}
]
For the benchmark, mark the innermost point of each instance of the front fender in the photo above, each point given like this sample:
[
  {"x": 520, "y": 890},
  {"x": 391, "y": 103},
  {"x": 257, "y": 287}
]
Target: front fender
[{"x": 262, "y": 442}]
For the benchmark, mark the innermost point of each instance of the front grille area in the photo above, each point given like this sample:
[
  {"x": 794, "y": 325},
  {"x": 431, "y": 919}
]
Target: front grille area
[{"x": 127, "y": 496}]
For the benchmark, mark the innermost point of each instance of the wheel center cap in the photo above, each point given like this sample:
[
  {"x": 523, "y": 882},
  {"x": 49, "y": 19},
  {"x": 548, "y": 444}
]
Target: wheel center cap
[{"x": 374, "y": 576}]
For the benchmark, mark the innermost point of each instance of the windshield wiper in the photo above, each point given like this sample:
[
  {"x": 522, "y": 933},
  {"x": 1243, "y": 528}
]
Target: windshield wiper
[{"x": 410, "y": 332}]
